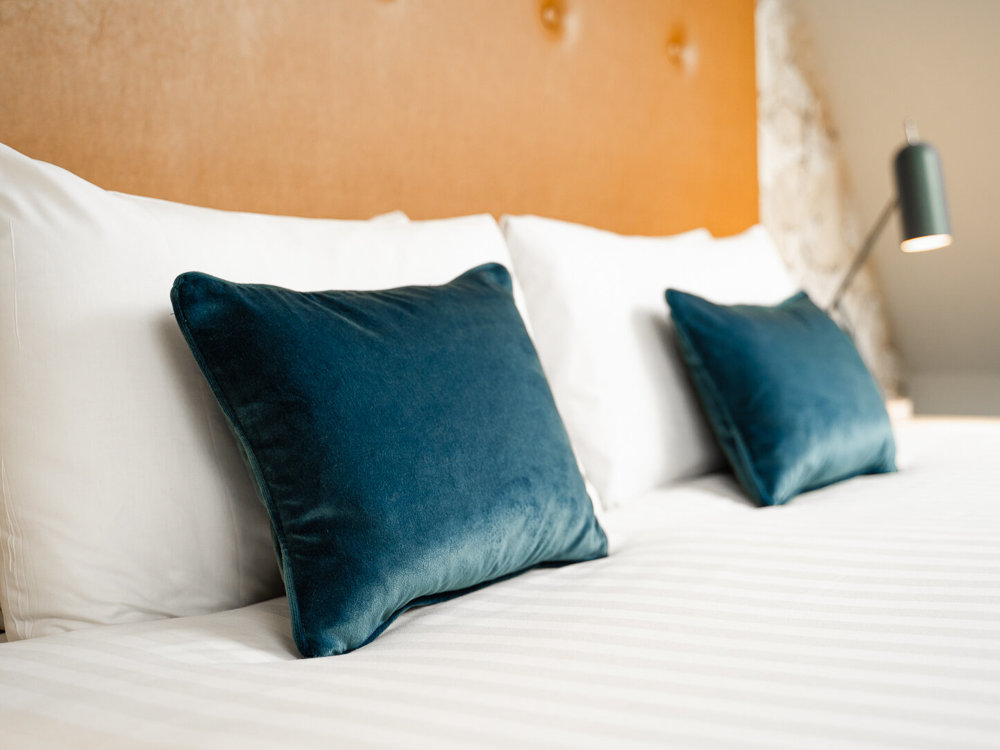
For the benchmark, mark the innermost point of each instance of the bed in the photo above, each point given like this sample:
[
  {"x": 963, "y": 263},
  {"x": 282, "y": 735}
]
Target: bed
[{"x": 556, "y": 163}]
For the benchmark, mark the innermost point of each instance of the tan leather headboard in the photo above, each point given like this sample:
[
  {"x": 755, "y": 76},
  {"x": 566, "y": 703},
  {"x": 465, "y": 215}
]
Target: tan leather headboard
[{"x": 634, "y": 115}]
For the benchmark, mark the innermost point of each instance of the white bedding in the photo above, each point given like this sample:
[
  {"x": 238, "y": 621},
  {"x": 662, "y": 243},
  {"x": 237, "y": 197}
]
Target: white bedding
[{"x": 863, "y": 615}]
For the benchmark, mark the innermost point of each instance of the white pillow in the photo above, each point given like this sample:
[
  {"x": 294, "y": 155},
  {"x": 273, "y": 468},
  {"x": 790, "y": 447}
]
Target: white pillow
[
  {"x": 124, "y": 495},
  {"x": 600, "y": 323}
]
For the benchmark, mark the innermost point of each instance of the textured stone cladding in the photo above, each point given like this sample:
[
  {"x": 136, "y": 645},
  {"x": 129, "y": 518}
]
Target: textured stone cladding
[{"x": 805, "y": 199}]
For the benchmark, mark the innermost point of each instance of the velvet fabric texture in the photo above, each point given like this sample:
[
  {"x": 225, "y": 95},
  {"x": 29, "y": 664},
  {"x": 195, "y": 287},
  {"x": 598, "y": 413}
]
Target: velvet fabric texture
[
  {"x": 787, "y": 394},
  {"x": 404, "y": 441}
]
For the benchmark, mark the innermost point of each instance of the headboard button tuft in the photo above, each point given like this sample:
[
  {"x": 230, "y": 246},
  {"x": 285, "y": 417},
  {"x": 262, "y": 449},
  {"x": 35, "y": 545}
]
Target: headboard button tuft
[
  {"x": 681, "y": 51},
  {"x": 551, "y": 12}
]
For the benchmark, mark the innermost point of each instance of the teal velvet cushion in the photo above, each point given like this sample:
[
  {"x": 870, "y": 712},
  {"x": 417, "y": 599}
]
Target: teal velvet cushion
[
  {"x": 404, "y": 441},
  {"x": 790, "y": 400}
]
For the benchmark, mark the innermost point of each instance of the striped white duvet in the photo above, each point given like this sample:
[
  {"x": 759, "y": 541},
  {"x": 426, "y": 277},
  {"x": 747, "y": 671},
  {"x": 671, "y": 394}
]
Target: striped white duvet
[{"x": 863, "y": 615}]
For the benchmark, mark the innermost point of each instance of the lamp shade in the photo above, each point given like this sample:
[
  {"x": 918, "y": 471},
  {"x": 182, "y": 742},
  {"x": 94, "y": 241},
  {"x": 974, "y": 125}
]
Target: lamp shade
[{"x": 922, "y": 204}]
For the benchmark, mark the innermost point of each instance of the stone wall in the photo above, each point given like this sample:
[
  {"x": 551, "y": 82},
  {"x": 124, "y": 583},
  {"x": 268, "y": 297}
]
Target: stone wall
[{"x": 804, "y": 192}]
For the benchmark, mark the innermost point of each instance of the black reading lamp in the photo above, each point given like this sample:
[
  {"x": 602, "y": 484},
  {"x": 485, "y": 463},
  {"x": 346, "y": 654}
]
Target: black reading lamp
[{"x": 921, "y": 200}]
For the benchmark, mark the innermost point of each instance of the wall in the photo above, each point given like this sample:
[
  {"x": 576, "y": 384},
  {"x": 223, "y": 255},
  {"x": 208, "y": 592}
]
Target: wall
[
  {"x": 804, "y": 200},
  {"x": 878, "y": 61}
]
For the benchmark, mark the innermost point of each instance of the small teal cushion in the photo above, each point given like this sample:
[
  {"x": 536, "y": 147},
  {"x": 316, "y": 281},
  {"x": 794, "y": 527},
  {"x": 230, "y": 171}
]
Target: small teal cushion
[
  {"x": 790, "y": 400},
  {"x": 405, "y": 442}
]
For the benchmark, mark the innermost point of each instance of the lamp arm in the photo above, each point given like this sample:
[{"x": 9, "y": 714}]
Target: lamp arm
[{"x": 866, "y": 249}]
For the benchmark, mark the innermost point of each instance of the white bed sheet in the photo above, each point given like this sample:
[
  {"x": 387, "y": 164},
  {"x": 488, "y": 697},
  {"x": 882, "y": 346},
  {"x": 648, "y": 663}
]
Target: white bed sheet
[{"x": 865, "y": 615}]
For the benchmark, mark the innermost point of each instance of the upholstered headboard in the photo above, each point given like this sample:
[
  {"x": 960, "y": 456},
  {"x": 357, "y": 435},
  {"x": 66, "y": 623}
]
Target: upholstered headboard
[{"x": 633, "y": 115}]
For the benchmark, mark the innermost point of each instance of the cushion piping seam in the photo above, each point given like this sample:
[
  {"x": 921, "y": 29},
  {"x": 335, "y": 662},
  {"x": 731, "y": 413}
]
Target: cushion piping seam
[
  {"x": 740, "y": 462},
  {"x": 249, "y": 452}
]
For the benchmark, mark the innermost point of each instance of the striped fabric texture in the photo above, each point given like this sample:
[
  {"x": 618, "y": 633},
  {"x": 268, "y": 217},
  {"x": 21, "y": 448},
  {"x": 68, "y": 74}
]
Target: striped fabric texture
[{"x": 863, "y": 615}]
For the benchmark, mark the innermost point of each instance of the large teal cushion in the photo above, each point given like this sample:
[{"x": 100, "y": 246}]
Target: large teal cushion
[
  {"x": 790, "y": 400},
  {"x": 405, "y": 442}
]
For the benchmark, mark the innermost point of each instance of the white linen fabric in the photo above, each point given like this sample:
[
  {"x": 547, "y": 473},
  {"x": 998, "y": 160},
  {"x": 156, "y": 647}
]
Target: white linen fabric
[
  {"x": 602, "y": 329},
  {"x": 124, "y": 496},
  {"x": 863, "y": 615}
]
